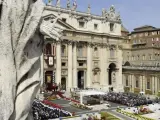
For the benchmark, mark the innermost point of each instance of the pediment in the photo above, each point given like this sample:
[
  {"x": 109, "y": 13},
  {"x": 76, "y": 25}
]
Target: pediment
[
  {"x": 83, "y": 19},
  {"x": 51, "y": 17}
]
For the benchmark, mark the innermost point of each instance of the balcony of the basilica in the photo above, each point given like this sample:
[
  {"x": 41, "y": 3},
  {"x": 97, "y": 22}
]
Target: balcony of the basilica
[
  {"x": 148, "y": 92},
  {"x": 81, "y": 58},
  {"x": 137, "y": 90}
]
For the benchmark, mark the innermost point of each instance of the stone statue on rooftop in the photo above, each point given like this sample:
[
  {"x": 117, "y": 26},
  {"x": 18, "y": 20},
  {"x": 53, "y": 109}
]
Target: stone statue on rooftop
[
  {"x": 21, "y": 43},
  {"x": 103, "y": 12},
  {"x": 89, "y": 8},
  {"x": 50, "y": 2},
  {"x": 68, "y": 4},
  {"x": 112, "y": 9},
  {"x": 58, "y": 3}
]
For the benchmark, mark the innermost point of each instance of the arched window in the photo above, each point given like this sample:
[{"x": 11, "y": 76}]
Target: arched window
[{"x": 63, "y": 50}]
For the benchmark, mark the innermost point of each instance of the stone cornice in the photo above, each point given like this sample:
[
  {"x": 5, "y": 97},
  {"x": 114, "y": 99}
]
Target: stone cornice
[
  {"x": 89, "y": 33},
  {"x": 78, "y": 13}
]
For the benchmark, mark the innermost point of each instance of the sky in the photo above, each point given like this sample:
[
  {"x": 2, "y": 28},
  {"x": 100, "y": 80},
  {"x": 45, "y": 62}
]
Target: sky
[{"x": 134, "y": 13}]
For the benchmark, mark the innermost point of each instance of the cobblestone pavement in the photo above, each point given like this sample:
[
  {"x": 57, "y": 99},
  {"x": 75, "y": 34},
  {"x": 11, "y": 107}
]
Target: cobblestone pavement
[{"x": 112, "y": 109}]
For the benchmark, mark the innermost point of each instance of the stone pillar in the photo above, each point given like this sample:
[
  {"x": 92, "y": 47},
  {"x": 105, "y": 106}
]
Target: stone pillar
[
  {"x": 101, "y": 66},
  {"x": 58, "y": 63},
  {"x": 119, "y": 66},
  {"x": 123, "y": 79},
  {"x": 42, "y": 69},
  {"x": 144, "y": 83},
  {"x": 105, "y": 66},
  {"x": 156, "y": 85},
  {"x": 89, "y": 65},
  {"x": 69, "y": 85},
  {"x": 153, "y": 85},
  {"x": 141, "y": 83},
  {"x": 133, "y": 83},
  {"x": 74, "y": 78}
]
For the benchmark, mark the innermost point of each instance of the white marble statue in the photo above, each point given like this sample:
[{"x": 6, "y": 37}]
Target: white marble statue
[
  {"x": 21, "y": 42},
  {"x": 68, "y": 4},
  {"x": 58, "y": 4},
  {"x": 103, "y": 12}
]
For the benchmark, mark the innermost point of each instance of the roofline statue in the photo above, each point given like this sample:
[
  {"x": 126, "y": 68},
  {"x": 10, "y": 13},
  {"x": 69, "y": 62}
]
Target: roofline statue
[{"x": 21, "y": 33}]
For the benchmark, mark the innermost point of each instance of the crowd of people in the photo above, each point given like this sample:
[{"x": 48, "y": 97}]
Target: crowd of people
[
  {"x": 128, "y": 99},
  {"x": 42, "y": 111}
]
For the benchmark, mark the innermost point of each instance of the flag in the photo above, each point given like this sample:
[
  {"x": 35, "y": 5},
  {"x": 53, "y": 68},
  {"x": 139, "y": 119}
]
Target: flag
[{"x": 75, "y": 4}]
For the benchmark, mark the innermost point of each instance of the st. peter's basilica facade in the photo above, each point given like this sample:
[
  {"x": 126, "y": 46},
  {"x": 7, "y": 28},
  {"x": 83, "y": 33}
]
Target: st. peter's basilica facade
[{"x": 89, "y": 54}]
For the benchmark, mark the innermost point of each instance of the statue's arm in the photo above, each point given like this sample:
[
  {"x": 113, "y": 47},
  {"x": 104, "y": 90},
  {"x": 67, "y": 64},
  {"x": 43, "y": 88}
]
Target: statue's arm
[{"x": 51, "y": 29}]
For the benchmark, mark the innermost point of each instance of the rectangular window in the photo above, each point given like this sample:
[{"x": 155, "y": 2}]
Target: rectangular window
[
  {"x": 81, "y": 24},
  {"x": 148, "y": 85},
  {"x": 80, "y": 51},
  {"x": 64, "y": 19},
  {"x": 63, "y": 64},
  {"x": 95, "y": 26},
  {"x": 80, "y": 64},
  {"x": 127, "y": 82},
  {"x": 111, "y": 27},
  {"x": 137, "y": 84}
]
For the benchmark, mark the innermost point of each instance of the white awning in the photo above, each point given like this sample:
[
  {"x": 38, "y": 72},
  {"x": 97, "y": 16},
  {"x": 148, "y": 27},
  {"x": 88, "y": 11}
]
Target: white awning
[{"x": 92, "y": 92}]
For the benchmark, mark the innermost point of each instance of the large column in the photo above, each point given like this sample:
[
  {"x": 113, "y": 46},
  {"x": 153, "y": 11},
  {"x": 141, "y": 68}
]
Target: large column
[
  {"x": 153, "y": 85},
  {"x": 74, "y": 79},
  {"x": 89, "y": 65},
  {"x": 156, "y": 85},
  {"x": 101, "y": 65},
  {"x": 144, "y": 83},
  {"x": 119, "y": 66},
  {"x": 105, "y": 66},
  {"x": 58, "y": 63},
  {"x": 133, "y": 83},
  {"x": 141, "y": 83},
  {"x": 42, "y": 69},
  {"x": 69, "y": 82}
]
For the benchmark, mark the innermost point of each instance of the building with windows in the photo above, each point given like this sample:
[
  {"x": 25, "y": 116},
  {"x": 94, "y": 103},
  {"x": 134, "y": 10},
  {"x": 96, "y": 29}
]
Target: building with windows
[
  {"x": 89, "y": 53},
  {"x": 141, "y": 56}
]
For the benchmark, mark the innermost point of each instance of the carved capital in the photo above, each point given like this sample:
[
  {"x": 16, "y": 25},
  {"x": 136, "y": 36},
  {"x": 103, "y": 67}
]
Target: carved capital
[
  {"x": 58, "y": 42},
  {"x": 75, "y": 42},
  {"x": 120, "y": 47},
  {"x": 69, "y": 42},
  {"x": 89, "y": 44},
  {"x": 112, "y": 47}
]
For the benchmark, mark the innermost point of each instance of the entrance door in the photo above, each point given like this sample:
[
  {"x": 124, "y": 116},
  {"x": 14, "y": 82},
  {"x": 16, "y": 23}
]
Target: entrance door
[
  {"x": 112, "y": 68},
  {"x": 80, "y": 80},
  {"x": 63, "y": 83},
  {"x": 48, "y": 80}
]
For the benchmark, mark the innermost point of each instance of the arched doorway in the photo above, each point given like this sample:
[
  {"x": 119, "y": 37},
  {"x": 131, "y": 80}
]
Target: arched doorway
[
  {"x": 112, "y": 74},
  {"x": 127, "y": 64},
  {"x": 63, "y": 83}
]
